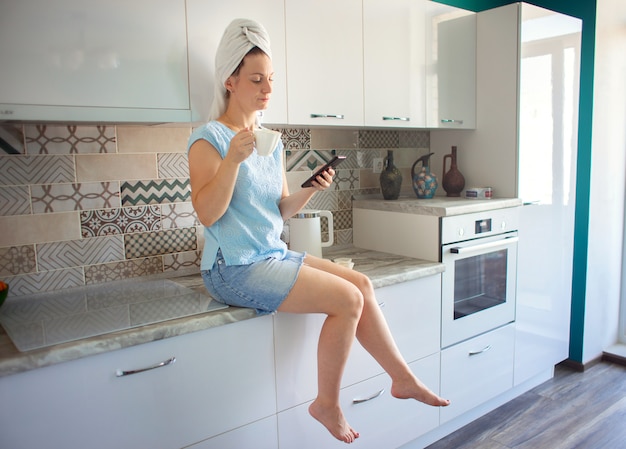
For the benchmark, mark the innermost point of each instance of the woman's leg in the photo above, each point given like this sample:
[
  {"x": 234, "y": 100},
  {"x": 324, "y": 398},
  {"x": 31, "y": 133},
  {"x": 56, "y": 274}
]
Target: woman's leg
[
  {"x": 317, "y": 291},
  {"x": 374, "y": 335}
]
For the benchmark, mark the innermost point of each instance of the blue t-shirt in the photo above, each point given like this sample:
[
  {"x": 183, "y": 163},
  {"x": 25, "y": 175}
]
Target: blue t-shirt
[{"x": 250, "y": 228}]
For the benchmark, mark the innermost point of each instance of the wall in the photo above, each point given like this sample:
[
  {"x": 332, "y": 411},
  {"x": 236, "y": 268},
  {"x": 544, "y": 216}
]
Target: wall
[
  {"x": 608, "y": 183},
  {"x": 90, "y": 204}
]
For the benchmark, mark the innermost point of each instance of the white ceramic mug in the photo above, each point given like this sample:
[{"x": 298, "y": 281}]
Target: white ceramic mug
[{"x": 265, "y": 141}]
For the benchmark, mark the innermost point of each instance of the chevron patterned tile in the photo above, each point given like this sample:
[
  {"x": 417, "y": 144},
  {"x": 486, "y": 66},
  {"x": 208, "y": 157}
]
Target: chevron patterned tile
[
  {"x": 17, "y": 260},
  {"x": 45, "y": 281},
  {"x": 116, "y": 271},
  {"x": 71, "y": 139},
  {"x": 173, "y": 165},
  {"x": 79, "y": 196},
  {"x": 308, "y": 160},
  {"x": 326, "y": 200},
  {"x": 178, "y": 215},
  {"x": 155, "y": 191},
  {"x": 18, "y": 170},
  {"x": 74, "y": 253},
  {"x": 14, "y": 200},
  {"x": 122, "y": 220},
  {"x": 161, "y": 242}
]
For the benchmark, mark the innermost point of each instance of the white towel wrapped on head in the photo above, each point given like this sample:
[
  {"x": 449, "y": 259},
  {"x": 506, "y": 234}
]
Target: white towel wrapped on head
[{"x": 241, "y": 36}]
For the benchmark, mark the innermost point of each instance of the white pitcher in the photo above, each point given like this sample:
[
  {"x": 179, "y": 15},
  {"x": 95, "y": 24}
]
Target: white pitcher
[{"x": 305, "y": 233}]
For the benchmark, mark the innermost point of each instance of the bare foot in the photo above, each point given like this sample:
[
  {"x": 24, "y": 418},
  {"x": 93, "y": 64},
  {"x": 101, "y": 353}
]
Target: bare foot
[
  {"x": 413, "y": 388},
  {"x": 333, "y": 419}
]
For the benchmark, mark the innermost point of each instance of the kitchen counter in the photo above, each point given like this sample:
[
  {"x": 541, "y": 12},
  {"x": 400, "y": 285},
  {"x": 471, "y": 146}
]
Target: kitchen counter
[
  {"x": 437, "y": 206},
  {"x": 383, "y": 269}
]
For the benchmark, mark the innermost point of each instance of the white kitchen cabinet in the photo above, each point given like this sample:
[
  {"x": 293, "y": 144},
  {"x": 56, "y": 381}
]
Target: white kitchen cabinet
[
  {"x": 383, "y": 421},
  {"x": 450, "y": 67},
  {"x": 412, "y": 310},
  {"x": 257, "y": 435},
  {"x": 223, "y": 378},
  {"x": 325, "y": 62},
  {"x": 528, "y": 82},
  {"x": 476, "y": 370},
  {"x": 206, "y": 22},
  {"x": 95, "y": 60},
  {"x": 394, "y": 42}
]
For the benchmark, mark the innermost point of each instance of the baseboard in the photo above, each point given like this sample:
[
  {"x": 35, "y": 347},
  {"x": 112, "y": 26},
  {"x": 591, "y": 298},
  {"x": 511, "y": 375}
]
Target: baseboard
[
  {"x": 615, "y": 354},
  {"x": 578, "y": 366}
]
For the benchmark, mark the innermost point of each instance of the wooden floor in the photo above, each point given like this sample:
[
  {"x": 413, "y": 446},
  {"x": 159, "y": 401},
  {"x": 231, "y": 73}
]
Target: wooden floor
[{"x": 584, "y": 410}]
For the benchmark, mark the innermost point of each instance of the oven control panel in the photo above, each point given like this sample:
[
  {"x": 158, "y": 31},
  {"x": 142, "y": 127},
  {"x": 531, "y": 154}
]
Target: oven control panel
[{"x": 458, "y": 228}]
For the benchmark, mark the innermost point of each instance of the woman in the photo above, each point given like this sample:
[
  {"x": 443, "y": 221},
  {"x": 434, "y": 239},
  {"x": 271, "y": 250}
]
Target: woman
[{"x": 242, "y": 199}]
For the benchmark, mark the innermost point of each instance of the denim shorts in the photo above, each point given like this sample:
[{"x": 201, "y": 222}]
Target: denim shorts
[{"x": 262, "y": 285}]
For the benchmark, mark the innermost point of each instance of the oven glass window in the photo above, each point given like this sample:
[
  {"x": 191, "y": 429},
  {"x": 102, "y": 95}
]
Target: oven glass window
[{"x": 479, "y": 282}]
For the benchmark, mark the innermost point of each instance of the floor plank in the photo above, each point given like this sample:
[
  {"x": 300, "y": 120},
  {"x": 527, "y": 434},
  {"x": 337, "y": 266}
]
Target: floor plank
[{"x": 573, "y": 410}]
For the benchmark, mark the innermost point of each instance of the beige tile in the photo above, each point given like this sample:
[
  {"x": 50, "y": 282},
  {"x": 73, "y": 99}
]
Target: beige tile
[
  {"x": 39, "y": 228},
  {"x": 333, "y": 138},
  {"x": 115, "y": 167},
  {"x": 150, "y": 139},
  {"x": 296, "y": 178},
  {"x": 368, "y": 179}
]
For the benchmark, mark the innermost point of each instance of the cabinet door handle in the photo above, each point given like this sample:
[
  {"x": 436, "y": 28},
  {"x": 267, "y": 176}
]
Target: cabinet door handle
[
  {"x": 120, "y": 373},
  {"x": 374, "y": 396},
  {"x": 451, "y": 120},
  {"x": 485, "y": 349},
  {"x": 382, "y": 304},
  {"x": 327, "y": 116},
  {"x": 404, "y": 119}
]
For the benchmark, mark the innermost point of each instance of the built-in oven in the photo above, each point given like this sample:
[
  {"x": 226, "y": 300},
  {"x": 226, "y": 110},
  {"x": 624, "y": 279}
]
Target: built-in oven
[{"x": 479, "y": 251}]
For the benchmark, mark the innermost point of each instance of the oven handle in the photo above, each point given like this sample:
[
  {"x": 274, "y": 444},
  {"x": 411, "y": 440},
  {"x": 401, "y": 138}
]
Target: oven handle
[{"x": 480, "y": 247}]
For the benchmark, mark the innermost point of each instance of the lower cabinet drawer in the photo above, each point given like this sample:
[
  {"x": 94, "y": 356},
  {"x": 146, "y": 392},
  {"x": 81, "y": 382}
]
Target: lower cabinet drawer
[
  {"x": 257, "y": 435},
  {"x": 476, "y": 370},
  {"x": 383, "y": 421}
]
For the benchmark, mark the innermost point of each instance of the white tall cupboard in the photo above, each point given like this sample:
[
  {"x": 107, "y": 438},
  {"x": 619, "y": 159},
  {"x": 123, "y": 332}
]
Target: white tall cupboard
[{"x": 525, "y": 146}]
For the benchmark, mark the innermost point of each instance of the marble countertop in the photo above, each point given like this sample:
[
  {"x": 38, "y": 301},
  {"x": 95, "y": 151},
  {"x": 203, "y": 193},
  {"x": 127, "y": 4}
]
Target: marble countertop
[
  {"x": 437, "y": 206},
  {"x": 383, "y": 269}
]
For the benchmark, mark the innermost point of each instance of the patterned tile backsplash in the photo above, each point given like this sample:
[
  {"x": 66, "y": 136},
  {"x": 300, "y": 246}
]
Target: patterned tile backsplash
[{"x": 90, "y": 204}]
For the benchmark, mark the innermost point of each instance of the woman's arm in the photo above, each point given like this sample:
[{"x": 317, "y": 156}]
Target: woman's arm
[
  {"x": 290, "y": 204},
  {"x": 212, "y": 178}
]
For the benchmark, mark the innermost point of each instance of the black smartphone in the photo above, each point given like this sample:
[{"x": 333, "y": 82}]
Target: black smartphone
[{"x": 332, "y": 163}]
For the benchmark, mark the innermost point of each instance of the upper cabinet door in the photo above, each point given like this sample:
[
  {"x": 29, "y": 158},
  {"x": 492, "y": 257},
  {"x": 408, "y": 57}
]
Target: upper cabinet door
[
  {"x": 451, "y": 67},
  {"x": 96, "y": 60},
  {"x": 206, "y": 22},
  {"x": 325, "y": 62},
  {"x": 394, "y": 40}
]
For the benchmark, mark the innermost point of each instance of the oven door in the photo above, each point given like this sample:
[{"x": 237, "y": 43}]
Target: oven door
[{"x": 478, "y": 286}]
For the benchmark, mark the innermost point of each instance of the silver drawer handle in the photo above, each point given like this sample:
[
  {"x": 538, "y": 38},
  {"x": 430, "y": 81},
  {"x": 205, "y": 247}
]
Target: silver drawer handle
[
  {"x": 382, "y": 304},
  {"x": 451, "y": 120},
  {"x": 374, "y": 396},
  {"x": 485, "y": 349},
  {"x": 327, "y": 116},
  {"x": 120, "y": 373},
  {"x": 403, "y": 119}
]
